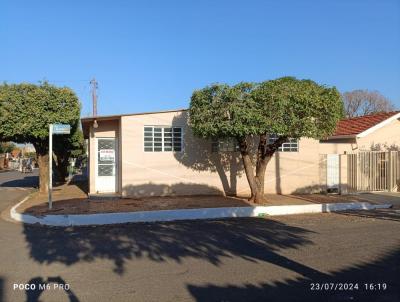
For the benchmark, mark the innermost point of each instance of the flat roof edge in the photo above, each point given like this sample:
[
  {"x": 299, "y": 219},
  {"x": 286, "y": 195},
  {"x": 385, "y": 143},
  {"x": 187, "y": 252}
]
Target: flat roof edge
[
  {"x": 341, "y": 136},
  {"x": 116, "y": 116}
]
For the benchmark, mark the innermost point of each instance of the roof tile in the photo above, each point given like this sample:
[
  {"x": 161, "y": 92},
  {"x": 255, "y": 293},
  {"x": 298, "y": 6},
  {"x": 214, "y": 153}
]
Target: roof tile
[{"x": 357, "y": 125}]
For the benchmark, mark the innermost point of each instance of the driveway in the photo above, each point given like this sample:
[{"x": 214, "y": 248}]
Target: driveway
[{"x": 383, "y": 197}]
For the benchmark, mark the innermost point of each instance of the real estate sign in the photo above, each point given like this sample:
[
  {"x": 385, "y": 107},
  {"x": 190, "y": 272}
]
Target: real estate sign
[{"x": 107, "y": 155}]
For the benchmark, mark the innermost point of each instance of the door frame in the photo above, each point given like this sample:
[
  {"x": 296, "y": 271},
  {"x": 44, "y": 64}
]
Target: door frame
[{"x": 116, "y": 165}]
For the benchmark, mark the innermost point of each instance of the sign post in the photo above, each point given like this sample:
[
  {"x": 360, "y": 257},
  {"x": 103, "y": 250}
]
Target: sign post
[
  {"x": 50, "y": 164},
  {"x": 54, "y": 129}
]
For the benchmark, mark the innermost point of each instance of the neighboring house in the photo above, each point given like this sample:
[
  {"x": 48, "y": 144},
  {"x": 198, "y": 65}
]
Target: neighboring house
[
  {"x": 375, "y": 132},
  {"x": 155, "y": 153}
]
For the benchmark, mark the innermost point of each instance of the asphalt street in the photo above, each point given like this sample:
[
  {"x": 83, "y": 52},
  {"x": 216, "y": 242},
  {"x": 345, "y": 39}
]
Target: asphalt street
[
  {"x": 16, "y": 179},
  {"x": 319, "y": 257}
]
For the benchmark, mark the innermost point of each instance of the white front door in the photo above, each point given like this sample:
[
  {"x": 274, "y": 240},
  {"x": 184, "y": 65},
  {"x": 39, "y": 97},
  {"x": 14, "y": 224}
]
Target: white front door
[{"x": 106, "y": 165}]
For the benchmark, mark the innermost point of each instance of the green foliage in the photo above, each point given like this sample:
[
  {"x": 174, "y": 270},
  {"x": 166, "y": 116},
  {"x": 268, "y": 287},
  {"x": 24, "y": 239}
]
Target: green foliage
[
  {"x": 69, "y": 145},
  {"x": 287, "y": 106},
  {"x": 223, "y": 111},
  {"x": 298, "y": 108},
  {"x": 26, "y": 110}
]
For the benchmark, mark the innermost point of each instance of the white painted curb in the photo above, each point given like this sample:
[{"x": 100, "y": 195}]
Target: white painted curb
[{"x": 187, "y": 214}]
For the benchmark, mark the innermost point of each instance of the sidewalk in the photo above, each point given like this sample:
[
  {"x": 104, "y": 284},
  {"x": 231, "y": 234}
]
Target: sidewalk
[
  {"x": 72, "y": 199},
  {"x": 71, "y": 206},
  {"x": 73, "y": 191}
]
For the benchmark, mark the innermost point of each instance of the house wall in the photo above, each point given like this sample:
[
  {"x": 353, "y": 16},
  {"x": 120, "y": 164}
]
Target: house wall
[
  {"x": 379, "y": 140},
  {"x": 199, "y": 171},
  {"x": 338, "y": 146},
  {"x": 105, "y": 129}
]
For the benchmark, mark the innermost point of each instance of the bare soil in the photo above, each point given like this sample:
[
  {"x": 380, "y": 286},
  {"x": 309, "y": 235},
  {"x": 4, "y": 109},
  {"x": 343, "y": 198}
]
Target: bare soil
[
  {"x": 90, "y": 206},
  {"x": 72, "y": 199}
]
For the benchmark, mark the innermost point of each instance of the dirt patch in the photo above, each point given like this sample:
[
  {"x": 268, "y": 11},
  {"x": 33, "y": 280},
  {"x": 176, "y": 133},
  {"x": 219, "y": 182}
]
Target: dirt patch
[
  {"x": 89, "y": 206},
  {"x": 72, "y": 199}
]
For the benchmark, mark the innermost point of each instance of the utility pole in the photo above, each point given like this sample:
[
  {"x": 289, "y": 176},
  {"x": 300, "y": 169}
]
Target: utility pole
[{"x": 94, "y": 84}]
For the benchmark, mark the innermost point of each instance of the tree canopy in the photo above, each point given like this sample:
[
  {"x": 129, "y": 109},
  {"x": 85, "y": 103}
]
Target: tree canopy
[
  {"x": 290, "y": 107},
  {"x": 287, "y": 107},
  {"x": 26, "y": 110},
  {"x": 298, "y": 108}
]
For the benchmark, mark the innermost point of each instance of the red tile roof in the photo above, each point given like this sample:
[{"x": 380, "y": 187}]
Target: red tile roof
[{"x": 357, "y": 125}]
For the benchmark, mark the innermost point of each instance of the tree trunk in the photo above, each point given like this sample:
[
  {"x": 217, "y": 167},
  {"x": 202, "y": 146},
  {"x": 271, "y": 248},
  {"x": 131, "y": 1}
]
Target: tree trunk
[
  {"x": 264, "y": 155},
  {"x": 62, "y": 168},
  {"x": 43, "y": 161},
  {"x": 42, "y": 153},
  {"x": 256, "y": 193}
]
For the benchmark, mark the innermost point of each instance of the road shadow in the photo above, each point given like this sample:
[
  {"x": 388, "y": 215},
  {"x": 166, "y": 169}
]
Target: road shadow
[
  {"x": 2, "y": 293},
  {"x": 25, "y": 182},
  {"x": 40, "y": 287},
  {"x": 248, "y": 238},
  {"x": 385, "y": 270}
]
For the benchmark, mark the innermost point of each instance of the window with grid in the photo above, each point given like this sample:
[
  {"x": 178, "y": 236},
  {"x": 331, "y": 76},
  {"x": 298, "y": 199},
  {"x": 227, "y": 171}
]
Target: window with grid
[
  {"x": 224, "y": 145},
  {"x": 162, "y": 139},
  {"x": 292, "y": 145}
]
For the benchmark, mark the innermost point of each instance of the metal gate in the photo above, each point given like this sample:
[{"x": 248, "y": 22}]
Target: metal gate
[
  {"x": 373, "y": 171},
  {"x": 332, "y": 172}
]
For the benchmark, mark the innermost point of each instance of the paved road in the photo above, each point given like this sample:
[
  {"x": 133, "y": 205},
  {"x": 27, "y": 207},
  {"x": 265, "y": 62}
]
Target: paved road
[
  {"x": 13, "y": 179},
  {"x": 277, "y": 259}
]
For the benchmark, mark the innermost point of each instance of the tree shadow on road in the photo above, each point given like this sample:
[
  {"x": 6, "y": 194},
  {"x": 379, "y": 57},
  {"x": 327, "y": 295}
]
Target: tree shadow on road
[
  {"x": 25, "y": 182},
  {"x": 385, "y": 270},
  {"x": 249, "y": 238},
  {"x": 2, "y": 289}
]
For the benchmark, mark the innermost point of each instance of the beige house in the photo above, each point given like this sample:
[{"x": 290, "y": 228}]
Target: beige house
[{"x": 155, "y": 153}]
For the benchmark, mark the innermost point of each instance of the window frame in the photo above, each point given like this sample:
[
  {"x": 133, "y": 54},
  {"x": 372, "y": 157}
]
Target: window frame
[
  {"x": 162, "y": 138},
  {"x": 282, "y": 147}
]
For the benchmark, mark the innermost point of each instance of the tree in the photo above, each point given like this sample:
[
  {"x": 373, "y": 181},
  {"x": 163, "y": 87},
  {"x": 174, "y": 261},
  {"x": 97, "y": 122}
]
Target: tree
[
  {"x": 66, "y": 147},
  {"x": 7, "y": 147},
  {"x": 287, "y": 107},
  {"x": 26, "y": 110},
  {"x": 363, "y": 102}
]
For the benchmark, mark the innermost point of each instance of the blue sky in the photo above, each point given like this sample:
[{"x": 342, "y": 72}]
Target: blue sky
[{"x": 151, "y": 55}]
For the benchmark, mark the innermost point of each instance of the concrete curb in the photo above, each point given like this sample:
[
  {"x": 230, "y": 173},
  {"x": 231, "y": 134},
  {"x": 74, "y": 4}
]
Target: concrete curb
[{"x": 186, "y": 214}]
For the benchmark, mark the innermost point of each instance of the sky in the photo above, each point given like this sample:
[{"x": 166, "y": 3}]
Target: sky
[{"x": 151, "y": 55}]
